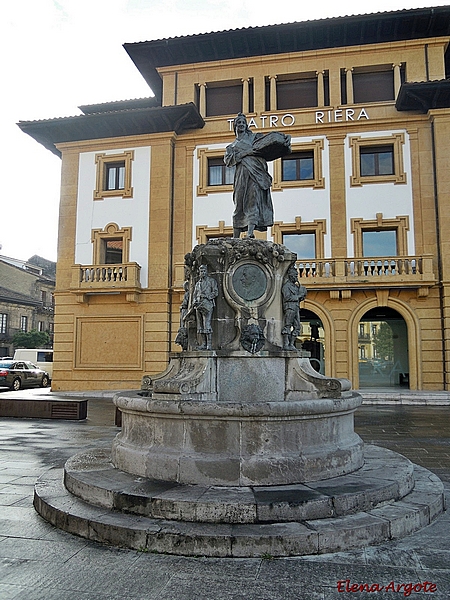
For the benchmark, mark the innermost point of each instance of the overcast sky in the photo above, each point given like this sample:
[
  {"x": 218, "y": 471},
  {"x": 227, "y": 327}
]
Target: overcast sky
[{"x": 57, "y": 55}]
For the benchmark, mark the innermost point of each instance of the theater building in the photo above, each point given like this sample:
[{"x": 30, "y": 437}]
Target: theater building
[{"x": 364, "y": 198}]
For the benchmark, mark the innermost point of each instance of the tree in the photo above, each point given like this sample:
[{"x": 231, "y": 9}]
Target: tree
[
  {"x": 31, "y": 339},
  {"x": 383, "y": 342}
]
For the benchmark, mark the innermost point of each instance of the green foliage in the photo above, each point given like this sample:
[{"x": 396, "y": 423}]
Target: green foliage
[
  {"x": 383, "y": 342},
  {"x": 31, "y": 339}
]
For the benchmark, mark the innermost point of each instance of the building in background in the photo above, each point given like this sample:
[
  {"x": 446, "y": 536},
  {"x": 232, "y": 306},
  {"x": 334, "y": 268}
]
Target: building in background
[
  {"x": 26, "y": 299},
  {"x": 363, "y": 199}
]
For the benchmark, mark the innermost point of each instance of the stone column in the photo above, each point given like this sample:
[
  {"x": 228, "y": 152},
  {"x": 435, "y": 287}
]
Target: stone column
[
  {"x": 273, "y": 92},
  {"x": 320, "y": 89},
  {"x": 202, "y": 107},
  {"x": 397, "y": 79},
  {"x": 349, "y": 85},
  {"x": 245, "y": 96}
]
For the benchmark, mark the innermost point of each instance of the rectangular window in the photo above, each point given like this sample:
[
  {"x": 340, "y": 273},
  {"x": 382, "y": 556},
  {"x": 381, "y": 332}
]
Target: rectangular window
[
  {"x": 41, "y": 326},
  {"x": 380, "y": 237},
  {"x": 113, "y": 251},
  {"x": 376, "y": 85},
  {"x": 298, "y": 166},
  {"x": 223, "y": 99},
  {"x": 3, "y": 323},
  {"x": 303, "y": 244},
  {"x": 115, "y": 176},
  {"x": 24, "y": 324},
  {"x": 219, "y": 173},
  {"x": 379, "y": 243},
  {"x": 298, "y": 91},
  {"x": 45, "y": 356},
  {"x": 376, "y": 160},
  {"x": 301, "y": 168},
  {"x": 214, "y": 175}
]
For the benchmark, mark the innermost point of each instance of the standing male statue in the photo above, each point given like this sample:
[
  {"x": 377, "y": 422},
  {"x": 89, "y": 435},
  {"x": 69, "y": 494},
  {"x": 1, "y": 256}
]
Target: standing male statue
[
  {"x": 203, "y": 302},
  {"x": 293, "y": 293},
  {"x": 249, "y": 153}
]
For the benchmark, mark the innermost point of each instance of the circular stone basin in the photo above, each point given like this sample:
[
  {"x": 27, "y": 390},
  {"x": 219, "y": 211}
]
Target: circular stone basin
[{"x": 237, "y": 444}]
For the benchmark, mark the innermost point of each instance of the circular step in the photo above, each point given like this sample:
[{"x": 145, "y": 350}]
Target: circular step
[
  {"x": 355, "y": 527},
  {"x": 385, "y": 476}
]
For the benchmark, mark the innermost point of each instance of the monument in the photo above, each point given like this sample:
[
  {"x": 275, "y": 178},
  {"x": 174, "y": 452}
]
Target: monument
[{"x": 240, "y": 448}]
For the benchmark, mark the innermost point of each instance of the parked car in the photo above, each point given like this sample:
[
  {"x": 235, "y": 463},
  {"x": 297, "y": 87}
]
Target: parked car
[{"x": 17, "y": 374}]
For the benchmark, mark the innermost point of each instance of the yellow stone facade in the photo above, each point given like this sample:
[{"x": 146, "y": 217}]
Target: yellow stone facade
[{"x": 109, "y": 333}]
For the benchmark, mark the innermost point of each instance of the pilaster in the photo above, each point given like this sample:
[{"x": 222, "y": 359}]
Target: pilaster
[{"x": 337, "y": 195}]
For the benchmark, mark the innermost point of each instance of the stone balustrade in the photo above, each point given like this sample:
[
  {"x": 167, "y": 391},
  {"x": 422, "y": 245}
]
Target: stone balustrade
[
  {"x": 405, "y": 270},
  {"x": 99, "y": 279},
  {"x": 100, "y": 276}
]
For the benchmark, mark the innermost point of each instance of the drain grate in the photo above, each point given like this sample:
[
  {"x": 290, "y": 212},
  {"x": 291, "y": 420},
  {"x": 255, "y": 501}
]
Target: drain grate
[{"x": 67, "y": 410}]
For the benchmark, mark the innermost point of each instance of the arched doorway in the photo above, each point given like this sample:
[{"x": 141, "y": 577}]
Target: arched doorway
[
  {"x": 312, "y": 339},
  {"x": 383, "y": 359}
]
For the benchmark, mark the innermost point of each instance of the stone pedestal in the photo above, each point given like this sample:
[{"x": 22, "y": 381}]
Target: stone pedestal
[
  {"x": 277, "y": 422},
  {"x": 246, "y": 411}
]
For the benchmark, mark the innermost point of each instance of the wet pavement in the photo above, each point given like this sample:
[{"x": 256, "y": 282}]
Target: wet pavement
[
  {"x": 38, "y": 561},
  {"x": 422, "y": 434}
]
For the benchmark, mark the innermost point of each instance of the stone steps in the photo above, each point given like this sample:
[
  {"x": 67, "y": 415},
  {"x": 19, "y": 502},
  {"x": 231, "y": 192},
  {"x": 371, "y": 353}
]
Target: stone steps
[
  {"x": 385, "y": 476},
  {"x": 354, "y": 516}
]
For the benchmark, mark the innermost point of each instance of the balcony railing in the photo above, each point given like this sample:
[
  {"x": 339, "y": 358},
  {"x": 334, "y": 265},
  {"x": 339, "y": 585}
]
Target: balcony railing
[
  {"x": 364, "y": 337},
  {"x": 383, "y": 271},
  {"x": 106, "y": 278}
]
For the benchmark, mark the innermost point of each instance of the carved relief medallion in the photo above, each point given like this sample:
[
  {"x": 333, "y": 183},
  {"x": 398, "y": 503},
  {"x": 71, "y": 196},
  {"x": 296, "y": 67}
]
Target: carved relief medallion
[{"x": 249, "y": 282}]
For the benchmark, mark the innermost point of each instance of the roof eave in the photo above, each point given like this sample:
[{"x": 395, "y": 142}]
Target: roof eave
[
  {"x": 141, "y": 121},
  {"x": 424, "y": 96}
]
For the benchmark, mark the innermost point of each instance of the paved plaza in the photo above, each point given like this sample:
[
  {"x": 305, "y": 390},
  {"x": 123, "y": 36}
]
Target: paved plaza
[{"x": 39, "y": 562}]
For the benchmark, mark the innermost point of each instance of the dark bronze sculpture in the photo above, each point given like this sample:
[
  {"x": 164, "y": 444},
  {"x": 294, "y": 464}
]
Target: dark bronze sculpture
[
  {"x": 293, "y": 293},
  {"x": 205, "y": 293},
  {"x": 252, "y": 338},
  {"x": 249, "y": 153}
]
